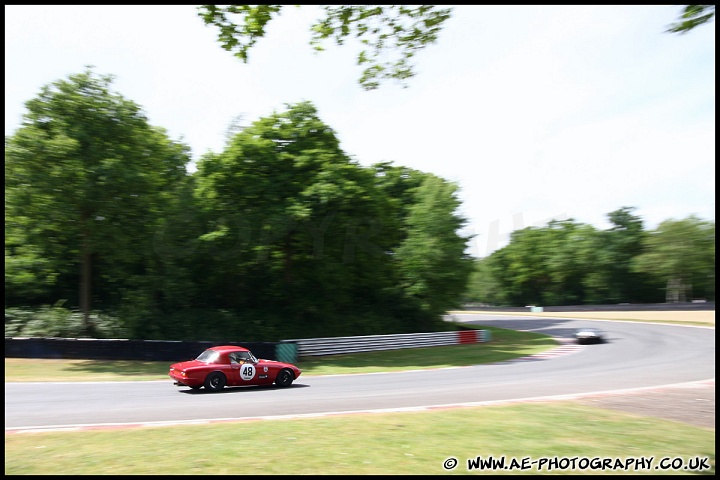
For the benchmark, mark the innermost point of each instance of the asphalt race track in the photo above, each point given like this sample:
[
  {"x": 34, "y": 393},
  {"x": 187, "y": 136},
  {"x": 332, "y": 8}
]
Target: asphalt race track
[{"x": 636, "y": 355}]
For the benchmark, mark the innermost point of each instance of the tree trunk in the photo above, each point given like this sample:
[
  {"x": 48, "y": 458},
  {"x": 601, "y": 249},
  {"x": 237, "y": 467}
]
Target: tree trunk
[{"x": 86, "y": 284}]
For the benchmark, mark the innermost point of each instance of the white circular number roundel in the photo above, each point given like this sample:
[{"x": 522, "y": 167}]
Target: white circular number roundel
[{"x": 247, "y": 371}]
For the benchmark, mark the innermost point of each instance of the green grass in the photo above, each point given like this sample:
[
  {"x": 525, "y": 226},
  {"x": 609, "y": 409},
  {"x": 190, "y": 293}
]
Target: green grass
[
  {"x": 409, "y": 443},
  {"x": 412, "y": 443}
]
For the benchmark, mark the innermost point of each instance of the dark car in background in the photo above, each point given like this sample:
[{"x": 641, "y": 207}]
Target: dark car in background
[{"x": 589, "y": 335}]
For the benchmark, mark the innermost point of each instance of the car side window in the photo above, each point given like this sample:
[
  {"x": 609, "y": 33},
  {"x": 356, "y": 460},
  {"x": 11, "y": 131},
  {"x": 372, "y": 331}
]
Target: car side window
[{"x": 239, "y": 357}]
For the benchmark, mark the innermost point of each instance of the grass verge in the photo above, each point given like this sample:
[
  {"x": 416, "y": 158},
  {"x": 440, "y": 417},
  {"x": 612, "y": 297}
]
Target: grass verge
[{"x": 409, "y": 443}]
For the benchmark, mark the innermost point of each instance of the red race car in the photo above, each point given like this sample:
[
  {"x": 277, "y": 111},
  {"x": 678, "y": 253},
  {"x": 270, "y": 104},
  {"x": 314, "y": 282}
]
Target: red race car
[{"x": 232, "y": 366}]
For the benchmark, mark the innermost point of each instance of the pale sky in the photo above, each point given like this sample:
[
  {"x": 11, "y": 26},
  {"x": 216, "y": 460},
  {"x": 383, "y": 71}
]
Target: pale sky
[{"x": 535, "y": 112}]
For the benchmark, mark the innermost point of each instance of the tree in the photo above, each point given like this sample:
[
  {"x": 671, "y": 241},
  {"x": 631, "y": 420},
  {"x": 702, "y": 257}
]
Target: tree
[
  {"x": 434, "y": 268},
  {"x": 305, "y": 238},
  {"x": 298, "y": 229},
  {"x": 552, "y": 265},
  {"x": 682, "y": 253},
  {"x": 613, "y": 280},
  {"x": 86, "y": 177},
  {"x": 519, "y": 267},
  {"x": 692, "y": 16},
  {"x": 383, "y": 30},
  {"x": 483, "y": 286},
  {"x": 546, "y": 265},
  {"x": 571, "y": 250},
  {"x": 390, "y": 35}
]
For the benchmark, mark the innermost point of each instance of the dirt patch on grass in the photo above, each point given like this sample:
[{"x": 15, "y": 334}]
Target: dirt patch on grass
[{"x": 691, "y": 403}]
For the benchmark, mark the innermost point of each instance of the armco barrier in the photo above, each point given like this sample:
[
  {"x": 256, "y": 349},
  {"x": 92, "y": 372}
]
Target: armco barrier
[
  {"x": 370, "y": 343},
  {"x": 120, "y": 349}
]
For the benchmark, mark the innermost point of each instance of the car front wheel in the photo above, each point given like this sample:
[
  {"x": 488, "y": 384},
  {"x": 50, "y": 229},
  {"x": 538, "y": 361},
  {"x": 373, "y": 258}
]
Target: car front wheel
[
  {"x": 284, "y": 378},
  {"x": 215, "y": 382}
]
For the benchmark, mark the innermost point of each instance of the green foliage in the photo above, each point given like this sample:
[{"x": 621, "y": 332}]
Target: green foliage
[
  {"x": 434, "y": 268},
  {"x": 567, "y": 263},
  {"x": 692, "y": 16},
  {"x": 242, "y": 36},
  {"x": 56, "y": 321},
  {"x": 682, "y": 253},
  {"x": 297, "y": 229},
  {"x": 613, "y": 279},
  {"x": 389, "y": 35},
  {"x": 86, "y": 178},
  {"x": 483, "y": 285},
  {"x": 28, "y": 274},
  {"x": 382, "y": 30},
  {"x": 520, "y": 267},
  {"x": 285, "y": 205}
]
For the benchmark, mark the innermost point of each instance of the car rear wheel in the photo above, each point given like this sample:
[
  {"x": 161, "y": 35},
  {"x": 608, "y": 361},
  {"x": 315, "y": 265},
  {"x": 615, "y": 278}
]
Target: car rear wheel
[
  {"x": 215, "y": 382},
  {"x": 284, "y": 378}
]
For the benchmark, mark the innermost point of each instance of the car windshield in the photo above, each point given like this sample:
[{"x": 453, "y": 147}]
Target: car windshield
[
  {"x": 244, "y": 356},
  {"x": 208, "y": 356},
  {"x": 589, "y": 331}
]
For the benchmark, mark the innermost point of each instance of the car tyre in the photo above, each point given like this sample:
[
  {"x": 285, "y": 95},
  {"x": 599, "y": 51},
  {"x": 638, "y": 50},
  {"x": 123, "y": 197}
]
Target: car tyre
[
  {"x": 215, "y": 382},
  {"x": 284, "y": 378}
]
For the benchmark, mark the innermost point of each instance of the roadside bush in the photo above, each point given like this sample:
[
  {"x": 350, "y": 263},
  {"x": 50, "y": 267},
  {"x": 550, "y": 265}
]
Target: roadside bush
[{"x": 59, "y": 322}]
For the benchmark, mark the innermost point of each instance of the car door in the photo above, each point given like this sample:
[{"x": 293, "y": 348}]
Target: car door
[{"x": 245, "y": 371}]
